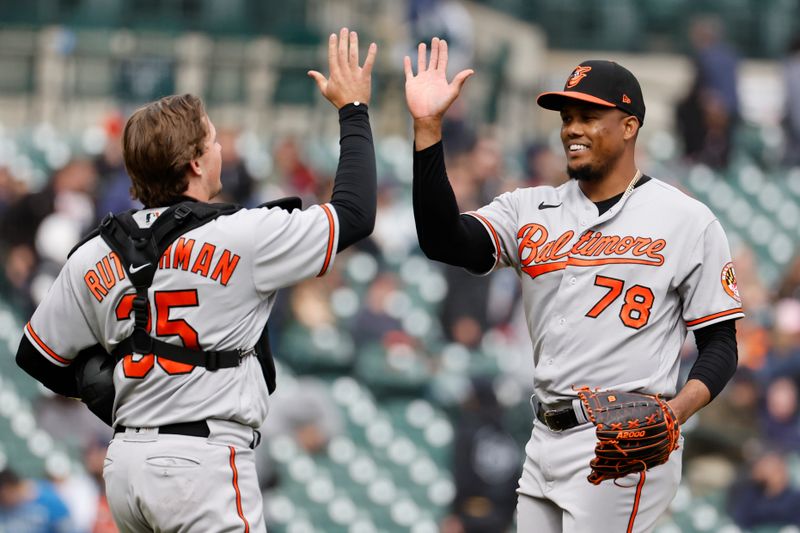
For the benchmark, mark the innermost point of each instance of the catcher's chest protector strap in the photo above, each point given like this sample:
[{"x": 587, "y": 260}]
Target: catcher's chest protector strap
[{"x": 140, "y": 250}]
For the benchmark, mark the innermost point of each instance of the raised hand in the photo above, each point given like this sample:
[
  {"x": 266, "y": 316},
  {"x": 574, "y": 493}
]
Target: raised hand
[
  {"x": 348, "y": 82},
  {"x": 428, "y": 94}
]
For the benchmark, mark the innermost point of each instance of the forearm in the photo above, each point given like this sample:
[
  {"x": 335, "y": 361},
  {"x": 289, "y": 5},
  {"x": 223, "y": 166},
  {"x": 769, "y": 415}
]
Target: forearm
[
  {"x": 692, "y": 397},
  {"x": 60, "y": 380},
  {"x": 717, "y": 358},
  {"x": 355, "y": 186},
  {"x": 427, "y": 132},
  {"x": 443, "y": 233}
]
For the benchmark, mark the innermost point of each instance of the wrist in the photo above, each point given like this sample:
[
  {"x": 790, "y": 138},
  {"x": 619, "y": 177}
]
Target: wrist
[
  {"x": 676, "y": 411},
  {"x": 354, "y": 102},
  {"x": 427, "y": 132},
  {"x": 351, "y": 108}
]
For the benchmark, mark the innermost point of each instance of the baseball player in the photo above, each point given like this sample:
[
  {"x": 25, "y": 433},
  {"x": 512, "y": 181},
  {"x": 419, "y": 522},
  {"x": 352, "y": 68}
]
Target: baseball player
[
  {"x": 187, "y": 406},
  {"x": 615, "y": 267}
]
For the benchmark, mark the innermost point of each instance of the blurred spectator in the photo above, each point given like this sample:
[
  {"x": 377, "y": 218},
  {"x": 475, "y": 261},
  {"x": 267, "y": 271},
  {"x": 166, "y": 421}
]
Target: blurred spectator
[
  {"x": 764, "y": 496},
  {"x": 43, "y": 226},
  {"x": 486, "y": 465},
  {"x": 394, "y": 233},
  {"x": 474, "y": 176},
  {"x": 789, "y": 286},
  {"x": 791, "y": 73},
  {"x": 237, "y": 183},
  {"x": 728, "y": 426},
  {"x": 783, "y": 355},
  {"x": 486, "y": 165},
  {"x": 311, "y": 340},
  {"x": 716, "y": 61},
  {"x": 66, "y": 193},
  {"x": 113, "y": 187},
  {"x": 70, "y": 422},
  {"x": 310, "y": 305},
  {"x": 781, "y": 414},
  {"x": 11, "y": 189},
  {"x": 84, "y": 492},
  {"x": 373, "y": 323},
  {"x": 543, "y": 167},
  {"x": 751, "y": 285},
  {"x": 706, "y": 117},
  {"x": 306, "y": 411},
  {"x": 293, "y": 172},
  {"x": 28, "y": 506},
  {"x": 476, "y": 172},
  {"x": 18, "y": 266},
  {"x": 448, "y": 20}
]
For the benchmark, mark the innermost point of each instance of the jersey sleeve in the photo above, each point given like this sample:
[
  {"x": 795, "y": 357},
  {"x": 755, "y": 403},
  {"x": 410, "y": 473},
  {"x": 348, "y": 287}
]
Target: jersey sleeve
[
  {"x": 290, "y": 247},
  {"x": 499, "y": 218},
  {"x": 59, "y": 328},
  {"x": 708, "y": 291}
]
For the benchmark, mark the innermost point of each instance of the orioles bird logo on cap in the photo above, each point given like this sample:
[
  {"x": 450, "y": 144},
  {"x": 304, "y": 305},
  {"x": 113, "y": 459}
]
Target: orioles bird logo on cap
[{"x": 577, "y": 75}]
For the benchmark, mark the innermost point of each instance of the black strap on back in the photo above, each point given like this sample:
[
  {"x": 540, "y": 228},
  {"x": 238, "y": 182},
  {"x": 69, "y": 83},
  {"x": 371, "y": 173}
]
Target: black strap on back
[{"x": 140, "y": 250}]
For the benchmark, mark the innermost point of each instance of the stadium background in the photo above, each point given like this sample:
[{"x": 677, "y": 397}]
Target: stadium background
[{"x": 404, "y": 385}]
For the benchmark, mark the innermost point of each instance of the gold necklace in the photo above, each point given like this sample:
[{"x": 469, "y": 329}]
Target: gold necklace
[{"x": 631, "y": 185}]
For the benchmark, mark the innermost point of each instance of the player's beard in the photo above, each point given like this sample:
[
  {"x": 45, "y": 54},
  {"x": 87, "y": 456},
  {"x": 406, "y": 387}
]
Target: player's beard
[{"x": 589, "y": 172}]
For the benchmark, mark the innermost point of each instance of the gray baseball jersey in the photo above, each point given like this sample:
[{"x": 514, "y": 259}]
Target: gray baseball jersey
[
  {"x": 609, "y": 299},
  {"x": 213, "y": 290}
]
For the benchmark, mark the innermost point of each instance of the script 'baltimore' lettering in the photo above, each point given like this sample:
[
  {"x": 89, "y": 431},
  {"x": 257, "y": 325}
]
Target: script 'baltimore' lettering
[{"x": 538, "y": 255}]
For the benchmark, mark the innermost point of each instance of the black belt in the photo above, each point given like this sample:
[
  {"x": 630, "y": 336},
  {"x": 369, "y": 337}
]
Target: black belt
[
  {"x": 557, "y": 419},
  {"x": 190, "y": 429}
]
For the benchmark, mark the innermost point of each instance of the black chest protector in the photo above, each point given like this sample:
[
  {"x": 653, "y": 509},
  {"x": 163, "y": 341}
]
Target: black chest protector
[{"x": 140, "y": 250}]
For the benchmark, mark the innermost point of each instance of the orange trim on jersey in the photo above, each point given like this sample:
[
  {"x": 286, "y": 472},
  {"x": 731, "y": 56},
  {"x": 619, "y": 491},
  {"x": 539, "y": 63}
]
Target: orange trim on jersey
[
  {"x": 329, "y": 252},
  {"x": 636, "y": 499},
  {"x": 45, "y": 347},
  {"x": 715, "y": 315},
  {"x": 493, "y": 232},
  {"x": 236, "y": 489},
  {"x": 577, "y": 261},
  {"x": 537, "y": 270},
  {"x": 544, "y": 268}
]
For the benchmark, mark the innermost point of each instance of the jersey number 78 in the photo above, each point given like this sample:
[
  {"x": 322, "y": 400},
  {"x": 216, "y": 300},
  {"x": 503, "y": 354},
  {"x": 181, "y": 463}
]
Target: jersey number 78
[{"x": 638, "y": 300}]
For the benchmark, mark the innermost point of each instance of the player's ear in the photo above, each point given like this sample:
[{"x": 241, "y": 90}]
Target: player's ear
[
  {"x": 194, "y": 167},
  {"x": 631, "y": 125}
]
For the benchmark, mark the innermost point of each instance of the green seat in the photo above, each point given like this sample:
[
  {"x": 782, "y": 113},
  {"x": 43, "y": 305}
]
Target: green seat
[
  {"x": 18, "y": 50},
  {"x": 387, "y": 374},
  {"x": 327, "y": 352}
]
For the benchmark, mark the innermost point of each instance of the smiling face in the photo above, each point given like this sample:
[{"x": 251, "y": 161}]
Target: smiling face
[{"x": 594, "y": 138}]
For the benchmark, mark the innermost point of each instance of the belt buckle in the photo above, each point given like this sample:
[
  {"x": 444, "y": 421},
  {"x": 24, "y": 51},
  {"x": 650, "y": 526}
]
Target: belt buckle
[{"x": 551, "y": 421}]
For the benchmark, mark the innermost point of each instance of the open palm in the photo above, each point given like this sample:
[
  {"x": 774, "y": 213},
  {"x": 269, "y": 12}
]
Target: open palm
[
  {"x": 428, "y": 94},
  {"x": 348, "y": 82}
]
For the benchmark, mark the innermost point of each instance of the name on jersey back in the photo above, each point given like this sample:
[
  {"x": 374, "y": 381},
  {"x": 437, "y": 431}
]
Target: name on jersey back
[{"x": 184, "y": 254}]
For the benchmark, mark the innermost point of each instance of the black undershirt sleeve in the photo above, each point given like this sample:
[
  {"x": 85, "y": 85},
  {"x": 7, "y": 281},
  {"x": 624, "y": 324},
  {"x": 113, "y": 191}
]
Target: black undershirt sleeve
[
  {"x": 355, "y": 186},
  {"x": 443, "y": 233},
  {"x": 717, "y": 355},
  {"x": 58, "y": 379}
]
